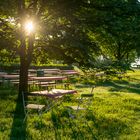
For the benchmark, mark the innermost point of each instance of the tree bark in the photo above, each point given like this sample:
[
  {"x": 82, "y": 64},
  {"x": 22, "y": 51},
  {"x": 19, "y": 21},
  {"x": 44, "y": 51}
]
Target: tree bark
[
  {"x": 23, "y": 80},
  {"x": 25, "y": 61}
]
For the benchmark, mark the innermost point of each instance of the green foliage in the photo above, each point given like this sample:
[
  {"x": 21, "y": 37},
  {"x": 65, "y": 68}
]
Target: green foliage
[
  {"x": 65, "y": 33},
  {"x": 73, "y": 31},
  {"x": 119, "y": 30},
  {"x": 8, "y": 7},
  {"x": 8, "y": 58},
  {"x": 117, "y": 66}
]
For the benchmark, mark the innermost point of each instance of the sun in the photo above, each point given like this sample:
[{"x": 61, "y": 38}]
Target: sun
[{"x": 29, "y": 27}]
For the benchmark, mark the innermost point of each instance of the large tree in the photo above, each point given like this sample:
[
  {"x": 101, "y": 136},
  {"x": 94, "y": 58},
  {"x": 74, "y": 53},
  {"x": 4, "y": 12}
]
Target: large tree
[
  {"x": 60, "y": 31},
  {"x": 69, "y": 30}
]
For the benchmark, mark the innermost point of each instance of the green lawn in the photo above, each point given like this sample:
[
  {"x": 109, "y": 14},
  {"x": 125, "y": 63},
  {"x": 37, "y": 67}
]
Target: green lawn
[{"x": 115, "y": 115}]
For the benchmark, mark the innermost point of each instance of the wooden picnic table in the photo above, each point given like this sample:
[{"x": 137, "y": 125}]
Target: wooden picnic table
[
  {"x": 70, "y": 73},
  {"x": 2, "y": 73},
  {"x": 54, "y": 97},
  {"x": 10, "y": 76},
  {"x": 51, "y": 69},
  {"x": 53, "y": 93},
  {"x": 46, "y": 78},
  {"x": 51, "y": 72}
]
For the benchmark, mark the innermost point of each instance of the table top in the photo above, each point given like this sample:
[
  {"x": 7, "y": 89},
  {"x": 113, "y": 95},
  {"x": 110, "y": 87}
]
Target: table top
[
  {"x": 53, "y": 93},
  {"x": 62, "y": 91},
  {"x": 32, "y": 70},
  {"x": 70, "y": 73},
  {"x": 46, "y": 78},
  {"x": 3, "y": 73},
  {"x": 10, "y": 76},
  {"x": 51, "y": 72},
  {"x": 51, "y": 69}
]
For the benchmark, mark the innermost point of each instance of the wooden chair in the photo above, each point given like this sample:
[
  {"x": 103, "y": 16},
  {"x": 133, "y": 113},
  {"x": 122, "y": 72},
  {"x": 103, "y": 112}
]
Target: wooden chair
[
  {"x": 84, "y": 103},
  {"x": 28, "y": 106},
  {"x": 80, "y": 112}
]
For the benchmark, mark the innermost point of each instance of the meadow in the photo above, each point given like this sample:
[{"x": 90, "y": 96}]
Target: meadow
[{"x": 114, "y": 114}]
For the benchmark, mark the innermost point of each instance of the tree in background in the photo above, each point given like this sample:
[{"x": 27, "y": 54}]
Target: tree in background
[{"x": 118, "y": 34}]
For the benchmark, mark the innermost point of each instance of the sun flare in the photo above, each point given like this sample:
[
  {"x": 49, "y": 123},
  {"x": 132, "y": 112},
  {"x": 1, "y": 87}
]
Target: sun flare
[{"x": 29, "y": 27}]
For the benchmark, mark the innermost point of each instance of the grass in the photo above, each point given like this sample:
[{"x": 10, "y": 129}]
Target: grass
[{"x": 115, "y": 114}]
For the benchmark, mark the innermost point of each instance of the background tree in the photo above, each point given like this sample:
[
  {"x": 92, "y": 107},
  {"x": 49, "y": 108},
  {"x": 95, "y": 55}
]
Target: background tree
[{"x": 118, "y": 34}]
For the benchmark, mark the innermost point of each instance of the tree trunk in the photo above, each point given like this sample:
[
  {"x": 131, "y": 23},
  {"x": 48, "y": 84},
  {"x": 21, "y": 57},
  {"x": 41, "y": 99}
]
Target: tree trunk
[
  {"x": 30, "y": 48},
  {"x": 26, "y": 49},
  {"x": 25, "y": 61},
  {"x": 23, "y": 80}
]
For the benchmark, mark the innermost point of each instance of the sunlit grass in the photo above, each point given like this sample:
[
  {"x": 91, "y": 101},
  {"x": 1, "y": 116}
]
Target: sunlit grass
[{"x": 115, "y": 115}]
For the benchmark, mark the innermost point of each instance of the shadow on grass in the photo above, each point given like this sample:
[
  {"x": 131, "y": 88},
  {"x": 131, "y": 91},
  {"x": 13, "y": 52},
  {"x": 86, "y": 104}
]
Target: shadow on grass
[
  {"x": 64, "y": 127},
  {"x": 122, "y": 85},
  {"x": 110, "y": 128},
  {"x": 7, "y": 93},
  {"x": 18, "y": 130},
  {"x": 88, "y": 127},
  {"x": 135, "y": 80}
]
